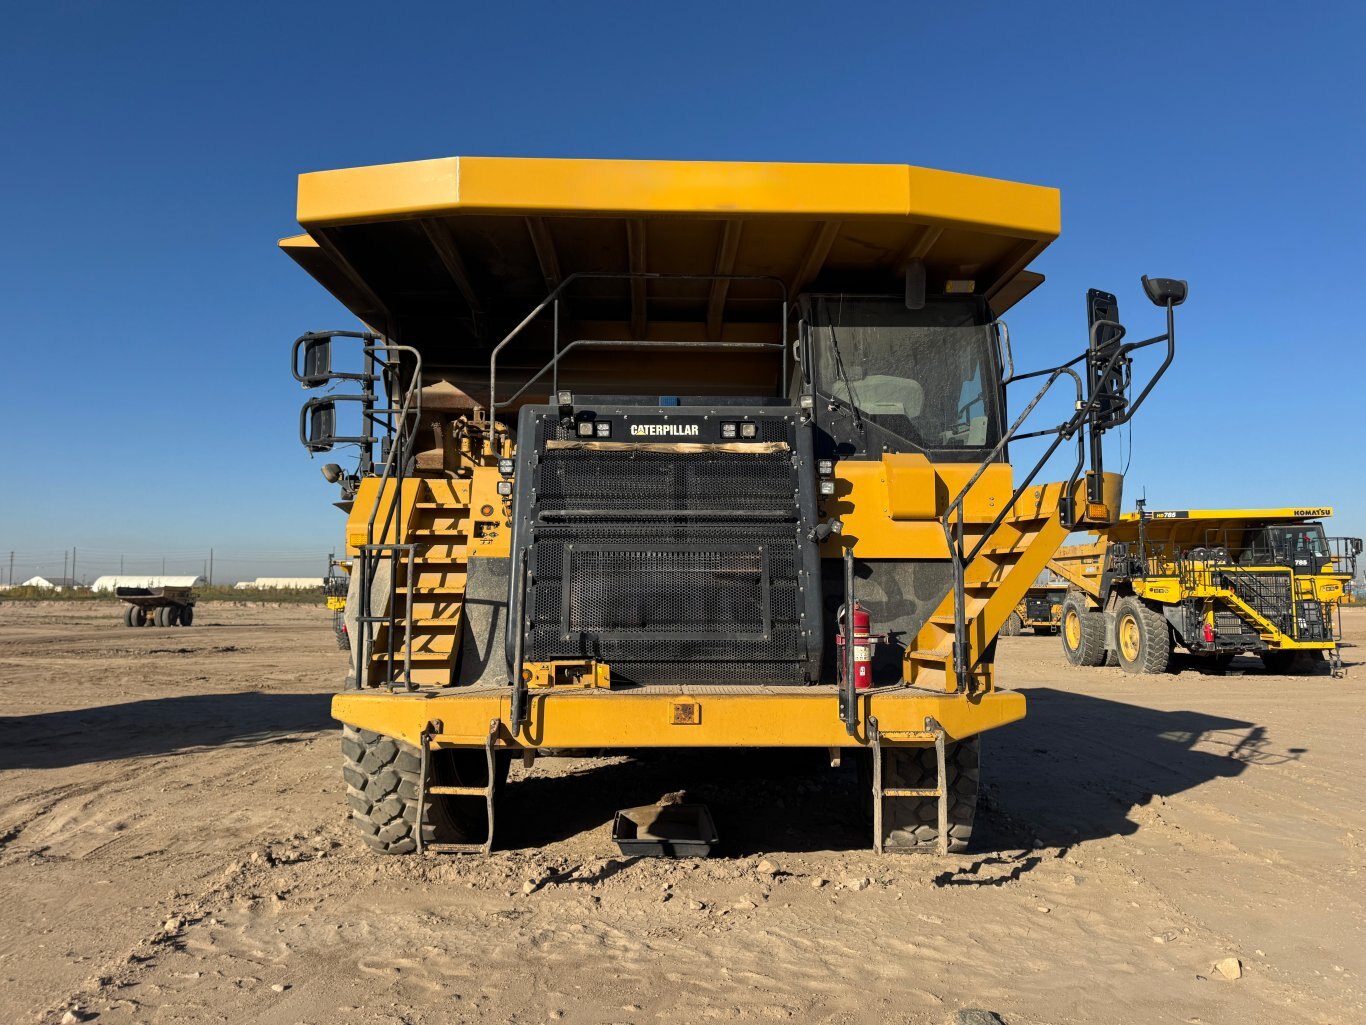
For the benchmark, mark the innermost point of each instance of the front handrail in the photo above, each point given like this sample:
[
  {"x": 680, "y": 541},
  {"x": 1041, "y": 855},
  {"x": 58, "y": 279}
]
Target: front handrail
[
  {"x": 1085, "y": 413},
  {"x": 553, "y": 300},
  {"x": 395, "y": 466},
  {"x": 613, "y": 343}
]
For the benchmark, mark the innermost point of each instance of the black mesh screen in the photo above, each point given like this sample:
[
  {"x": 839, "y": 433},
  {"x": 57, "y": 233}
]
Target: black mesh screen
[{"x": 675, "y": 564}]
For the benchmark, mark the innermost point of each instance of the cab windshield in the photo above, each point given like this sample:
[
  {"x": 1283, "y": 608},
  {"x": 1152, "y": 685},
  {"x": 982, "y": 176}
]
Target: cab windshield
[
  {"x": 1301, "y": 541},
  {"x": 928, "y": 378}
]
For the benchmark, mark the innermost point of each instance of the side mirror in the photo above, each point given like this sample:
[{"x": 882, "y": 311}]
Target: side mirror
[
  {"x": 1165, "y": 291},
  {"x": 317, "y": 362},
  {"x": 318, "y": 425}
]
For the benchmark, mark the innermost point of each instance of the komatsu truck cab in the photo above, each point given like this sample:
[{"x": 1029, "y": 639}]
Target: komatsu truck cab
[{"x": 659, "y": 454}]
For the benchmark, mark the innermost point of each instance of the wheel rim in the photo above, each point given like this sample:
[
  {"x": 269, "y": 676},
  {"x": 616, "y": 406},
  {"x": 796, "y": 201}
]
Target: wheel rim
[
  {"x": 1129, "y": 640},
  {"x": 1072, "y": 629}
]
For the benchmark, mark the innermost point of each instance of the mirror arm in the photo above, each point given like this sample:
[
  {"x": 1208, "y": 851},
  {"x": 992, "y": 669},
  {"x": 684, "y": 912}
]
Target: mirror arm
[{"x": 1170, "y": 339}]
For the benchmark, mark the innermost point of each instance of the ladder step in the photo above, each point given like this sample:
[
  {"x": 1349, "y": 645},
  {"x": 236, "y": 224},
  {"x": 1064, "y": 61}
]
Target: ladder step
[
  {"x": 444, "y": 791},
  {"x": 904, "y": 792},
  {"x": 453, "y": 621},
  {"x": 416, "y": 656},
  {"x": 932, "y": 656},
  {"x": 440, "y": 532},
  {"x": 430, "y": 590},
  {"x": 439, "y": 560},
  {"x": 458, "y": 740}
]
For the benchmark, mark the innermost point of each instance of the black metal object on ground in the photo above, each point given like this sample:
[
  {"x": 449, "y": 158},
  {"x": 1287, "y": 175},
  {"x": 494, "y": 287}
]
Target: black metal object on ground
[{"x": 665, "y": 831}]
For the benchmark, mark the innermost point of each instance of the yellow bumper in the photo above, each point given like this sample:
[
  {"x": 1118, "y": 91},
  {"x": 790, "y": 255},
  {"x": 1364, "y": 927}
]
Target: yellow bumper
[{"x": 806, "y": 717}]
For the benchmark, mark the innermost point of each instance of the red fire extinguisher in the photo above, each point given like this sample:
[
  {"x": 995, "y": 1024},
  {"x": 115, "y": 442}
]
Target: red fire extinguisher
[{"x": 864, "y": 643}]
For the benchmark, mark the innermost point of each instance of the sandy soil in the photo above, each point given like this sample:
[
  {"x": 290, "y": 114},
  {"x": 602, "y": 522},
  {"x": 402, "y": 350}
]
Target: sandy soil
[{"x": 173, "y": 848}]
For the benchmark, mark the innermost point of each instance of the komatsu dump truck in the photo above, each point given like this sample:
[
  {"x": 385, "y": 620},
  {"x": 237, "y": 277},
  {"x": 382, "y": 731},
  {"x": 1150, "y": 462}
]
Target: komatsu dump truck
[
  {"x": 674, "y": 455},
  {"x": 1217, "y": 582}
]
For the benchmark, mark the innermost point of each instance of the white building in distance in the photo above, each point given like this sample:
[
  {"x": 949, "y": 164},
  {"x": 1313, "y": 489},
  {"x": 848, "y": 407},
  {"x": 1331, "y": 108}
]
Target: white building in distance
[
  {"x": 280, "y": 584},
  {"x": 50, "y": 583}
]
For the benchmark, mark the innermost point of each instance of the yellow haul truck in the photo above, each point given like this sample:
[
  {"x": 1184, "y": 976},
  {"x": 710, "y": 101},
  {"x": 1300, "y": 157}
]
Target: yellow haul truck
[
  {"x": 647, "y": 430},
  {"x": 1040, "y": 609},
  {"x": 1218, "y": 582}
]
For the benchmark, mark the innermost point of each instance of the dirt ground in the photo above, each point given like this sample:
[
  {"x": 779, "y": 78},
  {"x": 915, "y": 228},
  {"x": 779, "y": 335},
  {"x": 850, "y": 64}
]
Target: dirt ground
[{"x": 173, "y": 848}]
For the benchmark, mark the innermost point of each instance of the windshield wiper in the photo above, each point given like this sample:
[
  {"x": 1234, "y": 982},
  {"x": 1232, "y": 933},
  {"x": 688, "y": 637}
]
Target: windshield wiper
[{"x": 843, "y": 374}]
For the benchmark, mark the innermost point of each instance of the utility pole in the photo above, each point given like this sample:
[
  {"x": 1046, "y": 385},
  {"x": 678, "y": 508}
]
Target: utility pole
[
  {"x": 65, "y": 553},
  {"x": 120, "y": 565},
  {"x": 163, "y": 565},
  {"x": 11, "y": 569},
  {"x": 210, "y": 567},
  {"x": 73, "y": 564}
]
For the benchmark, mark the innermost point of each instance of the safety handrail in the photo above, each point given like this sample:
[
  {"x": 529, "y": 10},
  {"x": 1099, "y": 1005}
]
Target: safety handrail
[
  {"x": 553, "y": 300},
  {"x": 1084, "y": 413},
  {"x": 394, "y": 469}
]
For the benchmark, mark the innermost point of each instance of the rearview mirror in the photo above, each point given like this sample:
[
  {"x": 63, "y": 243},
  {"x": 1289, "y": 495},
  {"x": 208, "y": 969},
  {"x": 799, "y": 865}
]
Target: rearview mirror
[
  {"x": 317, "y": 362},
  {"x": 1165, "y": 291},
  {"x": 320, "y": 416}
]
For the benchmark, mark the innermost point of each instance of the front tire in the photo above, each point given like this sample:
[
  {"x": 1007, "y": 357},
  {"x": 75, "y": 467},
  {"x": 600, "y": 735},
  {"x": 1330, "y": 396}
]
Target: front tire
[
  {"x": 1013, "y": 626},
  {"x": 1278, "y": 662},
  {"x": 382, "y": 782},
  {"x": 914, "y": 823},
  {"x": 1143, "y": 641},
  {"x": 1083, "y": 632}
]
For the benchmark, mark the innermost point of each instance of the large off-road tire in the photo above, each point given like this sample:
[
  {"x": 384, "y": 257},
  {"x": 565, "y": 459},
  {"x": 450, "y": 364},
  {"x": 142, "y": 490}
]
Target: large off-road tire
[
  {"x": 173, "y": 615},
  {"x": 1279, "y": 662},
  {"x": 186, "y": 615},
  {"x": 134, "y": 616},
  {"x": 1143, "y": 640},
  {"x": 1013, "y": 626},
  {"x": 382, "y": 780},
  {"x": 159, "y": 616},
  {"x": 1082, "y": 630},
  {"x": 915, "y": 822}
]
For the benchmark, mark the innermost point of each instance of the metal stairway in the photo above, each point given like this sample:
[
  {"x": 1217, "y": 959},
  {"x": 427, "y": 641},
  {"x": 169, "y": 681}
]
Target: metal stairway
[
  {"x": 426, "y": 605},
  {"x": 994, "y": 583}
]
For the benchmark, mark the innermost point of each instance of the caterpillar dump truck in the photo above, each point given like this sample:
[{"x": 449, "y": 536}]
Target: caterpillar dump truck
[
  {"x": 672, "y": 455},
  {"x": 1217, "y": 582}
]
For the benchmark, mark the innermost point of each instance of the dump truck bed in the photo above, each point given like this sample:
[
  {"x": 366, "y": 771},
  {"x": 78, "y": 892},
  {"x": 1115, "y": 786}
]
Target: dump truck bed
[{"x": 461, "y": 248}]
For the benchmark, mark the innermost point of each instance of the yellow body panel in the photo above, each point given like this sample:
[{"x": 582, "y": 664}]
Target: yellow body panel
[
  {"x": 777, "y": 717},
  {"x": 604, "y": 188}
]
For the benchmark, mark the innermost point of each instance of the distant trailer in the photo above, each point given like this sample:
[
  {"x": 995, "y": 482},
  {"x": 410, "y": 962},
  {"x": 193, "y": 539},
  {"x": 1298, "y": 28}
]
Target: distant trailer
[{"x": 157, "y": 606}]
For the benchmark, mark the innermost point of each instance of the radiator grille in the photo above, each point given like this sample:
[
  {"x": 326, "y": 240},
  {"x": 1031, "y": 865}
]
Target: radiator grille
[{"x": 675, "y": 564}]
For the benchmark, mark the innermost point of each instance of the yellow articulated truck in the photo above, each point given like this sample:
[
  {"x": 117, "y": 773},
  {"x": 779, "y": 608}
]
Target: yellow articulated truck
[
  {"x": 1217, "y": 582},
  {"x": 673, "y": 455}
]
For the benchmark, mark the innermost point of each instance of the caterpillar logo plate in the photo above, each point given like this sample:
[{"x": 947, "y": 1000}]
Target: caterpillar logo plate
[{"x": 664, "y": 430}]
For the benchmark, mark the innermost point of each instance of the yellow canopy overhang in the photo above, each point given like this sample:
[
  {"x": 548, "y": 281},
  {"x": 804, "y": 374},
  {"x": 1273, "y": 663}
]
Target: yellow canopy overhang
[{"x": 464, "y": 246}]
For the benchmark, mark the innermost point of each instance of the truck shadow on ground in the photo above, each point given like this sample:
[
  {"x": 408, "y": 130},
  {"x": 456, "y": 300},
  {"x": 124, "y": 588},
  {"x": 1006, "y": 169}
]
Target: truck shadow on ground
[
  {"x": 1074, "y": 770},
  {"x": 1078, "y": 765},
  {"x": 159, "y": 726}
]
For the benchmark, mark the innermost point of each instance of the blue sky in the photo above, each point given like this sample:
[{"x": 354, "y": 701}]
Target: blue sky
[{"x": 151, "y": 152}]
